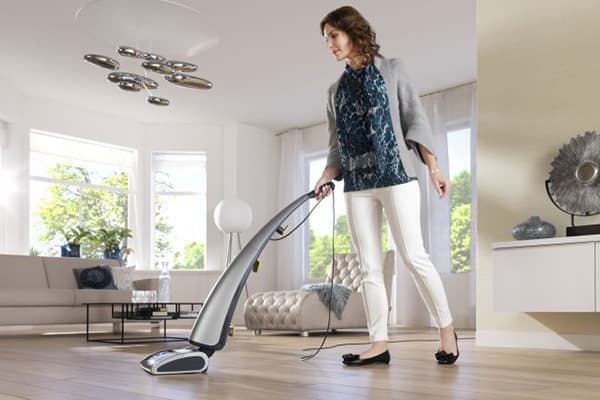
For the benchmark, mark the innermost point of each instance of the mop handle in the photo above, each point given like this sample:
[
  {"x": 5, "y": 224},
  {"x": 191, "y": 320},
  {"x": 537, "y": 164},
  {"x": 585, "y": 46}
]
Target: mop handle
[{"x": 313, "y": 194}]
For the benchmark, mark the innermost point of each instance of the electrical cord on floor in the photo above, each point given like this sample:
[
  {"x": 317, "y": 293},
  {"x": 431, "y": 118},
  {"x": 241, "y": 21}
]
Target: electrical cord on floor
[
  {"x": 308, "y": 357},
  {"x": 391, "y": 341}
]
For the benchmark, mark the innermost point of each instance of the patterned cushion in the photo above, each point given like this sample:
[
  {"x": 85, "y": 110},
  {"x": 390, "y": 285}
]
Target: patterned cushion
[{"x": 99, "y": 277}]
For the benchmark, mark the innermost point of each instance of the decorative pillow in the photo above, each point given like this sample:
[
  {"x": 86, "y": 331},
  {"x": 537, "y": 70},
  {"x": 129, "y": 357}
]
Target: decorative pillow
[
  {"x": 99, "y": 277},
  {"x": 123, "y": 277}
]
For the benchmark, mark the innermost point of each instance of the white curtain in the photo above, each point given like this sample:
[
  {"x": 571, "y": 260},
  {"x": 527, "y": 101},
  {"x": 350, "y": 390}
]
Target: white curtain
[
  {"x": 3, "y": 199},
  {"x": 137, "y": 258},
  {"x": 435, "y": 221},
  {"x": 291, "y": 256}
]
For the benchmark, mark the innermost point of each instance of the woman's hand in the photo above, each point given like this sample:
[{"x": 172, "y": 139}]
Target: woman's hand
[
  {"x": 328, "y": 174},
  {"x": 440, "y": 182},
  {"x": 326, "y": 190}
]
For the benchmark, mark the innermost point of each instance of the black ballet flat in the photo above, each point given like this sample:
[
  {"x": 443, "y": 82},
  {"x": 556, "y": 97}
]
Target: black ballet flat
[
  {"x": 350, "y": 356},
  {"x": 383, "y": 358},
  {"x": 448, "y": 358}
]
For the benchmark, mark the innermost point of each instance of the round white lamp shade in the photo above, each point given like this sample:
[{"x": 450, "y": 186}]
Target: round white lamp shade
[{"x": 233, "y": 216}]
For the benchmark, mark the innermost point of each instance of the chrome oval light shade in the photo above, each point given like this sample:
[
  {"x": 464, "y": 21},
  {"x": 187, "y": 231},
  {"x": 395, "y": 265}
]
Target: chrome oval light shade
[
  {"x": 158, "y": 67},
  {"x": 158, "y": 101},
  {"x": 182, "y": 66},
  {"x": 117, "y": 77},
  {"x": 189, "y": 81},
  {"x": 130, "y": 86},
  {"x": 102, "y": 61},
  {"x": 153, "y": 57},
  {"x": 128, "y": 51}
]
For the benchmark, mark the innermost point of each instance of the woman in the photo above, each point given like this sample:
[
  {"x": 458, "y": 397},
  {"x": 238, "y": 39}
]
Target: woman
[{"x": 374, "y": 117}]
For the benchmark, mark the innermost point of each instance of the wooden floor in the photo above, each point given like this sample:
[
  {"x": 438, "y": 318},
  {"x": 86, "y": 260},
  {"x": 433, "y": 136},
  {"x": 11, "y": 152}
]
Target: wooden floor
[{"x": 66, "y": 367}]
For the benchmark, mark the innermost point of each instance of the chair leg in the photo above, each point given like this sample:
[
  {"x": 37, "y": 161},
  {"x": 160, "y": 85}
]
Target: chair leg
[
  {"x": 304, "y": 334},
  {"x": 257, "y": 332}
]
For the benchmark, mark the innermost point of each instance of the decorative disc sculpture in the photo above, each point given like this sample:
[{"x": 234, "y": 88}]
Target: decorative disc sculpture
[
  {"x": 171, "y": 69},
  {"x": 574, "y": 182}
]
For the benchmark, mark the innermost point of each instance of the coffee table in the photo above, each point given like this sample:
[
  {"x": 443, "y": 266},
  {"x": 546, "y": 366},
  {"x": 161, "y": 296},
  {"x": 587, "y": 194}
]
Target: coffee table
[{"x": 143, "y": 312}]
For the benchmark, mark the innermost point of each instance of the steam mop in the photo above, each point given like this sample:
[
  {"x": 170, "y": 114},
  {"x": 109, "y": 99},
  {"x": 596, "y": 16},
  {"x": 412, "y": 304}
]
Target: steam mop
[{"x": 211, "y": 326}]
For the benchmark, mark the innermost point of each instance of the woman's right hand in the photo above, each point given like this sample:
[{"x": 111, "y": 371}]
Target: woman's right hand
[{"x": 325, "y": 190}]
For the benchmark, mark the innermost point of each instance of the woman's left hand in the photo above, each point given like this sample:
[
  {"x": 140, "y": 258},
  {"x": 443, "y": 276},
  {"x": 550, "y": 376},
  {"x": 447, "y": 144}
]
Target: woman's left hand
[{"x": 440, "y": 183}]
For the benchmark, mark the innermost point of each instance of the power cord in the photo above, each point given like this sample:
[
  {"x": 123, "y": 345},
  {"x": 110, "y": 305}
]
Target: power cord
[
  {"x": 299, "y": 224},
  {"x": 391, "y": 341},
  {"x": 308, "y": 357}
]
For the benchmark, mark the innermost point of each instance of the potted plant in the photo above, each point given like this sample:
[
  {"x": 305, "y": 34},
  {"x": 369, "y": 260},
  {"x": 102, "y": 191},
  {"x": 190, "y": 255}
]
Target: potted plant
[
  {"x": 111, "y": 241},
  {"x": 73, "y": 238}
]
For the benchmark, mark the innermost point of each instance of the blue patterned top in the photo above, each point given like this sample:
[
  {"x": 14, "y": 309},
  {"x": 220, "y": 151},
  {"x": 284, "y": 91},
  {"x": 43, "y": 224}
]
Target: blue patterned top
[{"x": 368, "y": 147}]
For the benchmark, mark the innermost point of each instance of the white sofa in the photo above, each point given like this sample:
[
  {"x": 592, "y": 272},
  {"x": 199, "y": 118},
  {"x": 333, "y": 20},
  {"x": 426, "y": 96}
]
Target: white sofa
[
  {"x": 43, "y": 291},
  {"x": 297, "y": 310}
]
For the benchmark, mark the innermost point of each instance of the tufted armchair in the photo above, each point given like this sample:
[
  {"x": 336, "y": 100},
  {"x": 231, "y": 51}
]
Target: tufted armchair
[{"x": 296, "y": 310}]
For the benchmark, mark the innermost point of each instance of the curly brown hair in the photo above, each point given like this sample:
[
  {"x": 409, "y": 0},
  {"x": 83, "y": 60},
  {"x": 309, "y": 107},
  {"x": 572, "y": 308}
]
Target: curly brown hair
[{"x": 349, "y": 20}]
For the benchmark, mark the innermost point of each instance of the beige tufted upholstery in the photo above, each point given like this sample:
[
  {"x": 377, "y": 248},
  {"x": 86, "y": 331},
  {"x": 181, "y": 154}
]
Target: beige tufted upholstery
[{"x": 296, "y": 310}]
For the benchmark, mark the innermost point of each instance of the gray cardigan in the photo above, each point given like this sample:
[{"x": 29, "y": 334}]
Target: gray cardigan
[{"x": 410, "y": 118}]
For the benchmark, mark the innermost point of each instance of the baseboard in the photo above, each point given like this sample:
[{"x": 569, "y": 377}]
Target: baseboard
[{"x": 537, "y": 340}]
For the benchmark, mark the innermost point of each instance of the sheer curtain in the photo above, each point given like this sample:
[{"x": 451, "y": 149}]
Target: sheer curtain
[
  {"x": 3, "y": 199},
  {"x": 290, "y": 269},
  {"x": 435, "y": 220},
  {"x": 137, "y": 258}
]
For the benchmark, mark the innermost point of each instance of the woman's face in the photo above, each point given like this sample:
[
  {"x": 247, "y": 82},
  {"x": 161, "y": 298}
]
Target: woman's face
[{"x": 338, "y": 42}]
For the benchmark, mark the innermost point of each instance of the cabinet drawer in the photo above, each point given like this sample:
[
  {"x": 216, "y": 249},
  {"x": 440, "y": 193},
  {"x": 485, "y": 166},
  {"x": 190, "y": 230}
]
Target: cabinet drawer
[{"x": 550, "y": 278}]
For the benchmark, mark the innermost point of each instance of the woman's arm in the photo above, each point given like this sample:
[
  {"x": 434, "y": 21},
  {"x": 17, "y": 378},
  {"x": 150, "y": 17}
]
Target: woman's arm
[{"x": 438, "y": 179}]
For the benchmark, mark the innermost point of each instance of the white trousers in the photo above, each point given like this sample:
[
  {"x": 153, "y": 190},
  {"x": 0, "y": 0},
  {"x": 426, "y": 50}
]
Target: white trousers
[{"x": 402, "y": 208}]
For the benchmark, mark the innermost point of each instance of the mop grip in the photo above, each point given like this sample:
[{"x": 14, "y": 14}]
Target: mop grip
[{"x": 313, "y": 193}]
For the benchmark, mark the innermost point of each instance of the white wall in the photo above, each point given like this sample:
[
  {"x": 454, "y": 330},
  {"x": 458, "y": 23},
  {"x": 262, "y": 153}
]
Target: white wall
[
  {"x": 251, "y": 173},
  {"x": 538, "y": 64}
]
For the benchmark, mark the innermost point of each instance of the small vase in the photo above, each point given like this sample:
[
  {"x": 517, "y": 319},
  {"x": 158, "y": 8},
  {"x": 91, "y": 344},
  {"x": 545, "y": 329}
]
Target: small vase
[
  {"x": 69, "y": 250},
  {"x": 164, "y": 283},
  {"x": 533, "y": 228},
  {"x": 112, "y": 254}
]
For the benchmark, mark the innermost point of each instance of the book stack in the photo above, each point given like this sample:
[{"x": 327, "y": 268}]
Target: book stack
[{"x": 160, "y": 313}]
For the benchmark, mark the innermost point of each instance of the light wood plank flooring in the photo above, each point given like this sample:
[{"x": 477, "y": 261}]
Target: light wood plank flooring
[{"x": 65, "y": 367}]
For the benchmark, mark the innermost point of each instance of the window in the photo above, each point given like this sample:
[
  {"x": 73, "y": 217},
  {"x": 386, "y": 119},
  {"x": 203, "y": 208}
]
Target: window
[
  {"x": 73, "y": 183},
  {"x": 179, "y": 210},
  {"x": 320, "y": 221},
  {"x": 459, "y": 160}
]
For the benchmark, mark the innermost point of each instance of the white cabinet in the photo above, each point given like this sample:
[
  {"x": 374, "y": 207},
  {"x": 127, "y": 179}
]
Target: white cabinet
[
  {"x": 547, "y": 275},
  {"x": 597, "y": 276}
]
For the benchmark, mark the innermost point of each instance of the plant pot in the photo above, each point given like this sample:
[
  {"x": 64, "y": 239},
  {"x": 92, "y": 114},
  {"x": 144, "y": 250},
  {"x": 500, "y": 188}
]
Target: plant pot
[
  {"x": 70, "y": 250},
  {"x": 112, "y": 254}
]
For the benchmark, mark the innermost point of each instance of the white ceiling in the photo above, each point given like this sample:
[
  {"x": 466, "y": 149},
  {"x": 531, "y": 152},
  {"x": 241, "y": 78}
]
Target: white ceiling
[{"x": 270, "y": 67}]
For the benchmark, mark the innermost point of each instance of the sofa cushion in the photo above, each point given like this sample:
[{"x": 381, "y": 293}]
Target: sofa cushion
[
  {"x": 22, "y": 272},
  {"x": 59, "y": 270},
  {"x": 102, "y": 296},
  {"x": 123, "y": 277},
  {"x": 37, "y": 297},
  {"x": 97, "y": 277}
]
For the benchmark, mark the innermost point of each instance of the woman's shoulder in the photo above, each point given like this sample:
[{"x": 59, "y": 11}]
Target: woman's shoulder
[
  {"x": 395, "y": 62},
  {"x": 333, "y": 87}
]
